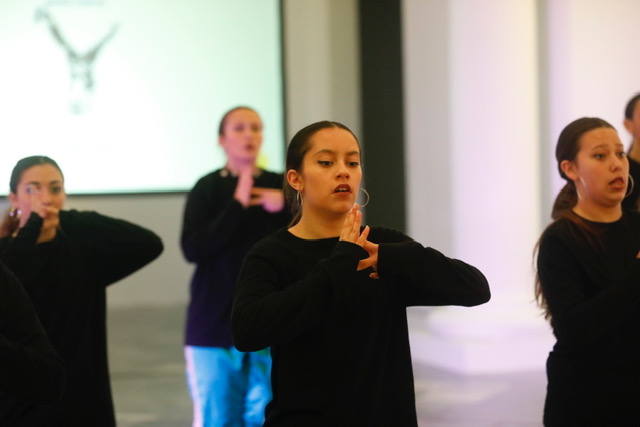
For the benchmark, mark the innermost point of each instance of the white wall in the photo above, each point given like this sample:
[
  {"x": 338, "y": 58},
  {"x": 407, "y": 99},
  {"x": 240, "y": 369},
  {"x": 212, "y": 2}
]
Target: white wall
[
  {"x": 593, "y": 66},
  {"x": 489, "y": 84},
  {"x": 322, "y": 62}
]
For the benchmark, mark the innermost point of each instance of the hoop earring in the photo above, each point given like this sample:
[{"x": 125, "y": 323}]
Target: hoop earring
[
  {"x": 368, "y": 198},
  {"x": 630, "y": 188},
  {"x": 299, "y": 198}
]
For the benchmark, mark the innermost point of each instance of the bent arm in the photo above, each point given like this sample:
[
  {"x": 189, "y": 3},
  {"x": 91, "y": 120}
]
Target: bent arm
[
  {"x": 427, "y": 277},
  {"x": 264, "y": 313},
  {"x": 116, "y": 248},
  {"x": 579, "y": 320}
]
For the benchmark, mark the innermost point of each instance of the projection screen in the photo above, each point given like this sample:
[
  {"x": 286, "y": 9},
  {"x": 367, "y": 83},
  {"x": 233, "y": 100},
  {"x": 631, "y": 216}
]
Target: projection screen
[{"x": 126, "y": 94}]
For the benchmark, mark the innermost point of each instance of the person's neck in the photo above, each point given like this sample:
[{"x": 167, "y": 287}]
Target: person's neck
[
  {"x": 236, "y": 166},
  {"x": 313, "y": 226},
  {"x": 598, "y": 213}
]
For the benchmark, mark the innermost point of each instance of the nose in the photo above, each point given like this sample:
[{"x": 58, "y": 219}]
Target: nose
[
  {"x": 46, "y": 197},
  {"x": 343, "y": 171},
  {"x": 617, "y": 163}
]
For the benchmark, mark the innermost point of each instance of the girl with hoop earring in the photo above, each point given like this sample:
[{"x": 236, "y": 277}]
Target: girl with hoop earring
[
  {"x": 329, "y": 296},
  {"x": 587, "y": 285}
]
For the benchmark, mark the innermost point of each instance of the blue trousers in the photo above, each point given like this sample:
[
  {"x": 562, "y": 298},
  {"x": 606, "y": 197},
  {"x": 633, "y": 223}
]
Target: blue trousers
[{"x": 228, "y": 388}]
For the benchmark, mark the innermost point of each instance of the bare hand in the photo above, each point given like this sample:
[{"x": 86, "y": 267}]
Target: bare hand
[
  {"x": 270, "y": 199},
  {"x": 243, "y": 187},
  {"x": 49, "y": 214},
  {"x": 351, "y": 233}
]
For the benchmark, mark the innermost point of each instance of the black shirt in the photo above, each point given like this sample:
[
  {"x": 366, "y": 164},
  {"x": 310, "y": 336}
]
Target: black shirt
[
  {"x": 217, "y": 233},
  {"x": 339, "y": 339},
  {"x": 592, "y": 287},
  {"x": 30, "y": 370},
  {"x": 66, "y": 279}
]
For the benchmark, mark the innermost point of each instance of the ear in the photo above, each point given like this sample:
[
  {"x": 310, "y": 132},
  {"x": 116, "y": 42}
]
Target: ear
[
  {"x": 569, "y": 169},
  {"x": 294, "y": 179},
  {"x": 628, "y": 125}
]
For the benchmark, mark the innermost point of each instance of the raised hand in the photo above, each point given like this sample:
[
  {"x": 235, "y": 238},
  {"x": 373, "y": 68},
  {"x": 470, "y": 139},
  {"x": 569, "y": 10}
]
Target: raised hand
[
  {"x": 49, "y": 214},
  {"x": 351, "y": 233},
  {"x": 243, "y": 188},
  {"x": 271, "y": 199}
]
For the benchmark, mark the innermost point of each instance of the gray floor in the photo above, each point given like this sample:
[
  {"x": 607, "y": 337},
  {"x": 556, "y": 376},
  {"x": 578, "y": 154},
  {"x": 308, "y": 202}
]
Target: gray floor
[{"x": 147, "y": 372}]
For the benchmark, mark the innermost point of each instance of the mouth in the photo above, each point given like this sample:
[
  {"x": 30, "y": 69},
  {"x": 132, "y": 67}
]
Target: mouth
[
  {"x": 342, "y": 189},
  {"x": 618, "y": 183}
]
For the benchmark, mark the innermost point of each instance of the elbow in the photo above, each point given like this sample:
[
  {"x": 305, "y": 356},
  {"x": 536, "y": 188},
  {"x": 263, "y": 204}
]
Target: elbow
[
  {"x": 244, "y": 342},
  {"x": 479, "y": 293},
  {"x": 243, "y": 334},
  {"x": 155, "y": 248},
  {"x": 484, "y": 294}
]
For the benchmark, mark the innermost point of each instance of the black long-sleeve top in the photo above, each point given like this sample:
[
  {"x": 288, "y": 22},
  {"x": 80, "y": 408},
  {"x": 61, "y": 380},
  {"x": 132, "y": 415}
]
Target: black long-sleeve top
[
  {"x": 593, "y": 293},
  {"x": 339, "y": 339},
  {"x": 66, "y": 279},
  {"x": 30, "y": 370},
  {"x": 217, "y": 233}
]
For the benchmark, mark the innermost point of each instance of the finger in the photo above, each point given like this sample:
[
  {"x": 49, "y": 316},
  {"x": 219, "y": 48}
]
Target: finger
[
  {"x": 355, "y": 230},
  {"x": 362, "y": 240},
  {"x": 347, "y": 226},
  {"x": 363, "y": 264},
  {"x": 255, "y": 201},
  {"x": 374, "y": 275}
]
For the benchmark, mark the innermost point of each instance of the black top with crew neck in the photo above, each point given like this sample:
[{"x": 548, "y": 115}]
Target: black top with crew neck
[
  {"x": 66, "y": 279},
  {"x": 592, "y": 287},
  {"x": 217, "y": 233},
  {"x": 339, "y": 338}
]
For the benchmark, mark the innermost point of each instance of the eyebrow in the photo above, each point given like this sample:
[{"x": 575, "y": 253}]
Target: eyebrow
[
  {"x": 57, "y": 181},
  {"x": 606, "y": 146},
  {"x": 326, "y": 150}
]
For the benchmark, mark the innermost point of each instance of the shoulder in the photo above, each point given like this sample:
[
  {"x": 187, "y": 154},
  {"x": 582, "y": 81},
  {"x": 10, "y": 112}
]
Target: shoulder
[
  {"x": 208, "y": 180},
  {"x": 555, "y": 233},
  {"x": 270, "y": 178},
  {"x": 633, "y": 218},
  {"x": 560, "y": 239},
  {"x": 273, "y": 245},
  {"x": 74, "y": 215}
]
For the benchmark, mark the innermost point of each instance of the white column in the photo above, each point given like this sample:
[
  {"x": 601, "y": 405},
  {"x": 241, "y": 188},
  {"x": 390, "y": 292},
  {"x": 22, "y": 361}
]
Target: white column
[{"x": 491, "y": 176}]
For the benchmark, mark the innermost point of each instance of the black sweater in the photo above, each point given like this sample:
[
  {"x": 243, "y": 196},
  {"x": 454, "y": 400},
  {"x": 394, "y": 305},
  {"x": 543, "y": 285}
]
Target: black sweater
[
  {"x": 66, "y": 279},
  {"x": 593, "y": 293},
  {"x": 339, "y": 339},
  {"x": 217, "y": 233},
  {"x": 30, "y": 370}
]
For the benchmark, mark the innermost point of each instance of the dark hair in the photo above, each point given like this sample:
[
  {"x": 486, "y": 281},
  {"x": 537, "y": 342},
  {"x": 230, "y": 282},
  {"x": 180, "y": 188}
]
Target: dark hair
[
  {"x": 297, "y": 149},
  {"x": 26, "y": 163},
  {"x": 223, "y": 120},
  {"x": 631, "y": 106},
  {"x": 567, "y": 148}
]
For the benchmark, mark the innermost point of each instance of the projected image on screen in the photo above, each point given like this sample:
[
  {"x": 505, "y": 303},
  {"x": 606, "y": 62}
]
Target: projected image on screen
[{"x": 126, "y": 95}]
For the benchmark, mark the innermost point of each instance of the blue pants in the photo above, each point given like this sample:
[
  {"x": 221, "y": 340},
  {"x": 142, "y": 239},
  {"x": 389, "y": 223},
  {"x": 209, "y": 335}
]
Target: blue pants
[{"x": 229, "y": 388}]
